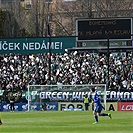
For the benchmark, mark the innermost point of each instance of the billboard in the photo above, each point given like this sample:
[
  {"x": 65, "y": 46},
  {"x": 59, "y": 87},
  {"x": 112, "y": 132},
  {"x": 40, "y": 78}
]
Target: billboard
[
  {"x": 125, "y": 106},
  {"x": 70, "y": 105},
  {"x": 17, "y": 106},
  {"x": 36, "y": 45},
  {"x": 78, "y": 95},
  {"x": 50, "y": 106},
  {"x": 111, "y": 106},
  {"x": 101, "y": 29}
]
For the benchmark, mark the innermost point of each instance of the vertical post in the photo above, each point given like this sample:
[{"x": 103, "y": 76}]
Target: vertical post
[
  {"x": 28, "y": 98},
  {"x": 132, "y": 44},
  {"x": 48, "y": 26},
  {"x": 108, "y": 61},
  {"x": 42, "y": 26},
  {"x": 89, "y": 8},
  {"x": 37, "y": 27},
  {"x": 49, "y": 35},
  {"x": 105, "y": 97}
]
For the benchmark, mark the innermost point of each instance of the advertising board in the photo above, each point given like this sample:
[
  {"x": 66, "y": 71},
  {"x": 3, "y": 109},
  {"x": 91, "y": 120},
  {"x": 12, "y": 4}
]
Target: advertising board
[
  {"x": 125, "y": 106},
  {"x": 36, "y": 45},
  {"x": 50, "y": 106},
  {"x": 18, "y": 107},
  {"x": 101, "y": 29},
  {"x": 111, "y": 106},
  {"x": 70, "y": 106}
]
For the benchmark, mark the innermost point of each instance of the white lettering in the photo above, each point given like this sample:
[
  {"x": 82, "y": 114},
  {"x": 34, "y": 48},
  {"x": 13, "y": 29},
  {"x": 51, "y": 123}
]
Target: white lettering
[
  {"x": 31, "y": 46},
  {"x": 42, "y": 95},
  {"x": 57, "y": 45},
  {"x": 50, "y": 107},
  {"x": 10, "y": 46},
  {"x": 59, "y": 95},
  {"x": 48, "y": 95},
  {"x": 77, "y": 95},
  {"x": 37, "y": 46},
  {"x": 113, "y": 94},
  {"x": 16, "y": 47},
  {"x": 126, "y": 95},
  {"x": 65, "y": 95},
  {"x": 127, "y": 107},
  {"x": 5, "y": 46},
  {"x": 43, "y": 45},
  {"x": 119, "y": 95},
  {"x": 61, "y": 45},
  {"x": 25, "y": 46},
  {"x": 54, "y": 94},
  {"x": 132, "y": 95}
]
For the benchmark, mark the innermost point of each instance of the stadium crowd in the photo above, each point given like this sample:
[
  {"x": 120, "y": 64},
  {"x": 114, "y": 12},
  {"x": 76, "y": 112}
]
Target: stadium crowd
[{"x": 17, "y": 70}]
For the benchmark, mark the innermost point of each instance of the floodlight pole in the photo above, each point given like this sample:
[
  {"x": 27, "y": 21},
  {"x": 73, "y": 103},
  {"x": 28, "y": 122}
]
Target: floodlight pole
[
  {"x": 89, "y": 8},
  {"x": 37, "y": 26},
  {"x": 108, "y": 55},
  {"x": 132, "y": 42},
  {"x": 49, "y": 36},
  {"x": 48, "y": 26}
]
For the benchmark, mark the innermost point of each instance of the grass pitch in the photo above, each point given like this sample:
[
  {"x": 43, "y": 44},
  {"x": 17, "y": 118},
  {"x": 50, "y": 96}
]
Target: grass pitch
[{"x": 65, "y": 122}]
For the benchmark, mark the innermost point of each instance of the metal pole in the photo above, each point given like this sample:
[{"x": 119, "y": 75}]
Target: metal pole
[
  {"x": 37, "y": 27},
  {"x": 108, "y": 61},
  {"x": 89, "y": 8},
  {"x": 49, "y": 35},
  {"x": 28, "y": 98},
  {"x": 48, "y": 26}
]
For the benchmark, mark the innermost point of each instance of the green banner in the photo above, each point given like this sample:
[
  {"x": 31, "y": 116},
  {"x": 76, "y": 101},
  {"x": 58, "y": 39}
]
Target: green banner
[{"x": 36, "y": 45}]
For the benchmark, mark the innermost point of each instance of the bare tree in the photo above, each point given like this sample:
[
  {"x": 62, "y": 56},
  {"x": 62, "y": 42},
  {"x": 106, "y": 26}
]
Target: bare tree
[
  {"x": 112, "y": 8},
  {"x": 66, "y": 13},
  {"x": 10, "y": 25},
  {"x": 31, "y": 17}
]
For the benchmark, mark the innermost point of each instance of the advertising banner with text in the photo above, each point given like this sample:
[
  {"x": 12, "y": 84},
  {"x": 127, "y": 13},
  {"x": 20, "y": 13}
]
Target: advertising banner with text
[
  {"x": 18, "y": 107},
  {"x": 125, "y": 106},
  {"x": 50, "y": 106},
  {"x": 67, "y": 95},
  {"x": 36, "y": 45},
  {"x": 70, "y": 106},
  {"x": 111, "y": 106},
  {"x": 78, "y": 96}
]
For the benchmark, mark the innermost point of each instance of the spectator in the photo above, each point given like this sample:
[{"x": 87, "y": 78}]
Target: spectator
[
  {"x": 17, "y": 71},
  {"x": 12, "y": 100}
]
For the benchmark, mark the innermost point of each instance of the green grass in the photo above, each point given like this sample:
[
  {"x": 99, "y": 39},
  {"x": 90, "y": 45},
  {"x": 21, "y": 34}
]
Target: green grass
[{"x": 65, "y": 122}]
